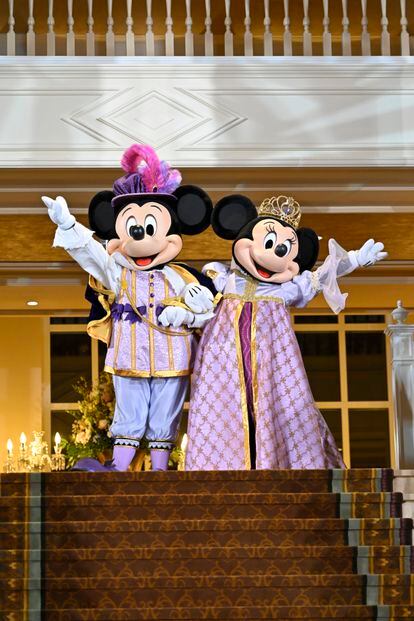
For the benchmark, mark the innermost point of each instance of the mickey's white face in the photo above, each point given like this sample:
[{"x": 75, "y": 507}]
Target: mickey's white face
[
  {"x": 143, "y": 235},
  {"x": 270, "y": 255}
]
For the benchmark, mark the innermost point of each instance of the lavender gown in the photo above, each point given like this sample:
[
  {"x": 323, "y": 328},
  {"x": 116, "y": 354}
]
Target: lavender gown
[{"x": 251, "y": 404}]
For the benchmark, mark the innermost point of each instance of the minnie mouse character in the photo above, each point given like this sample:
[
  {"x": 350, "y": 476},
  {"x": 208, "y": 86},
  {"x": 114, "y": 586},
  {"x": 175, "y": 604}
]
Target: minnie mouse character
[
  {"x": 143, "y": 292},
  {"x": 251, "y": 404}
]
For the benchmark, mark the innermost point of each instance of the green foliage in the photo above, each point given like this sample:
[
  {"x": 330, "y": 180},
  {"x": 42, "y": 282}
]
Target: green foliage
[{"x": 90, "y": 427}]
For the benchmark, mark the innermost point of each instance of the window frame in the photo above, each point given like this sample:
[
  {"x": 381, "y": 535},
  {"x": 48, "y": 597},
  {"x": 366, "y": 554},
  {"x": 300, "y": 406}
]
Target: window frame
[
  {"x": 49, "y": 405},
  {"x": 344, "y": 405}
]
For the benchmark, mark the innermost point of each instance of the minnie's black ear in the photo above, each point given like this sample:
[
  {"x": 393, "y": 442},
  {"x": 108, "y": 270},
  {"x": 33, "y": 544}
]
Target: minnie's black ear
[
  {"x": 308, "y": 249},
  {"x": 102, "y": 215},
  {"x": 193, "y": 209},
  {"x": 231, "y": 214}
]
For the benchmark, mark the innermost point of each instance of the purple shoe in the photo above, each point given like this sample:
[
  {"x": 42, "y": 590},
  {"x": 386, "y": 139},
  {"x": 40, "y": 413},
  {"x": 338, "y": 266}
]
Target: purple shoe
[{"x": 88, "y": 464}]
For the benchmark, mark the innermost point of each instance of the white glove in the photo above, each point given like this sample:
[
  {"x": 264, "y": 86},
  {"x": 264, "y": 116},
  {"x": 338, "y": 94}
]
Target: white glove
[
  {"x": 370, "y": 253},
  {"x": 199, "y": 299},
  {"x": 175, "y": 316},
  {"x": 59, "y": 212}
]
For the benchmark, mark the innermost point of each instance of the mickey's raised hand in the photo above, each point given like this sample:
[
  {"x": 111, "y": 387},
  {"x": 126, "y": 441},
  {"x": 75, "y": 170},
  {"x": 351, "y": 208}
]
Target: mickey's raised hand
[{"x": 59, "y": 212}]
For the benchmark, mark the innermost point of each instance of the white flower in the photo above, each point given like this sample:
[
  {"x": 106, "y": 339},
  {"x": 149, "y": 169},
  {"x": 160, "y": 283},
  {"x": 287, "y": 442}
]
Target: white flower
[{"x": 83, "y": 437}]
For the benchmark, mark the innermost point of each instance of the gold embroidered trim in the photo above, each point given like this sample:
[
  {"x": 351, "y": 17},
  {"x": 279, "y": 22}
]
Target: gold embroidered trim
[
  {"x": 169, "y": 342},
  {"x": 187, "y": 276},
  {"x": 250, "y": 289},
  {"x": 245, "y": 298},
  {"x": 151, "y": 323},
  {"x": 243, "y": 398},
  {"x": 146, "y": 374},
  {"x": 119, "y": 324},
  {"x": 211, "y": 274},
  {"x": 176, "y": 301},
  {"x": 253, "y": 354},
  {"x": 133, "y": 324},
  {"x": 101, "y": 329}
]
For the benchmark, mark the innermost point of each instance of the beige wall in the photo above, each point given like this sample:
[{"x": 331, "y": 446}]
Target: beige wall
[{"x": 21, "y": 377}]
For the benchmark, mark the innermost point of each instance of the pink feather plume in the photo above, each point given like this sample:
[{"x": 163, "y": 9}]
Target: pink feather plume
[{"x": 155, "y": 175}]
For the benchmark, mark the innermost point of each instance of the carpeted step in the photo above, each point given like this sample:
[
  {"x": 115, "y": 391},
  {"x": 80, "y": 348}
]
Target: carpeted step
[
  {"x": 204, "y": 545},
  {"x": 174, "y": 482},
  {"x": 235, "y": 613},
  {"x": 256, "y": 532},
  {"x": 187, "y": 561},
  {"x": 143, "y": 592},
  {"x": 209, "y": 506}
]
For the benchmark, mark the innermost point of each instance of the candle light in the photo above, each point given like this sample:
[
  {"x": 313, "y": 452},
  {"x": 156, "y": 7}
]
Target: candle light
[
  {"x": 58, "y": 440},
  {"x": 9, "y": 463},
  {"x": 58, "y": 460},
  {"x": 183, "y": 447},
  {"x": 23, "y": 462},
  {"x": 184, "y": 442}
]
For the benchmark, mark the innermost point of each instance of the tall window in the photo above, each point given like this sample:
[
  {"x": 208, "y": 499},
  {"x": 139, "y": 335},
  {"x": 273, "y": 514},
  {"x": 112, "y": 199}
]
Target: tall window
[
  {"x": 73, "y": 354},
  {"x": 347, "y": 362},
  {"x": 346, "y": 358}
]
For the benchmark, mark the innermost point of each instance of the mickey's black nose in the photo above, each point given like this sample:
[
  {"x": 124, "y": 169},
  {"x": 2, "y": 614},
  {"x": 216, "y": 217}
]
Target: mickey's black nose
[{"x": 137, "y": 232}]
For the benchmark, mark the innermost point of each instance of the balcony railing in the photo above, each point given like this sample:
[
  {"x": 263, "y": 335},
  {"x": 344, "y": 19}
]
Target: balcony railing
[{"x": 206, "y": 28}]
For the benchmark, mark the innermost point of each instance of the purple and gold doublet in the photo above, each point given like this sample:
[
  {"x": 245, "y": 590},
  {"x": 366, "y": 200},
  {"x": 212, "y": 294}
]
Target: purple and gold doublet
[{"x": 139, "y": 346}]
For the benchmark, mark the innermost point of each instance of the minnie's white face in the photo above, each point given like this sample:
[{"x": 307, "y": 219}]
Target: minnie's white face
[
  {"x": 143, "y": 238},
  {"x": 270, "y": 255}
]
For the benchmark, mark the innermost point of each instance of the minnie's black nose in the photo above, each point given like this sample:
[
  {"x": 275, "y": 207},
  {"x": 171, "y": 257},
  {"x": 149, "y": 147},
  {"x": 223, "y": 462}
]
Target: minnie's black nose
[
  {"x": 137, "y": 232},
  {"x": 281, "y": 250}
]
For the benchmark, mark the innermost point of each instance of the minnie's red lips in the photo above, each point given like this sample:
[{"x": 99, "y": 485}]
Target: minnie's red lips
[{"x": 262, "y": 271}]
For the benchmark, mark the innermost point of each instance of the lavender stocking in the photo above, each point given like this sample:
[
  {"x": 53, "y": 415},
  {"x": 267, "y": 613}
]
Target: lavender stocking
[
  {"x": 122, "y": 457},
  {"x": 159, "y": 459}
]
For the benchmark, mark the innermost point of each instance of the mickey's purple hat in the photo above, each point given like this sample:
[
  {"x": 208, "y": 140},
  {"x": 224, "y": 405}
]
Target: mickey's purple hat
[{"x": 147, "y": 178}]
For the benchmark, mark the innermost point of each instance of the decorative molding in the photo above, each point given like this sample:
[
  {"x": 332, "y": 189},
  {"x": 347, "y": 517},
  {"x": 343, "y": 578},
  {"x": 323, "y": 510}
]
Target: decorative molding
[
  {"x": 208, "y": 112},
  {"x": 16, "y": 210}
]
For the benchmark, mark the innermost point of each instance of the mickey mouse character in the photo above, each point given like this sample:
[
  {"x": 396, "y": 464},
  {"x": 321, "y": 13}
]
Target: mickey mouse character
[
  {"x": 143, "y": 292},
  {"x": 251, "y": 404}
]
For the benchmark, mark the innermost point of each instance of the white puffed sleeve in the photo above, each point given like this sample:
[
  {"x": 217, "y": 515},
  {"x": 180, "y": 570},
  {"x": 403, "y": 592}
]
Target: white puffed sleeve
[
  {"x": 219, "y": 274},
  {"x": 78, "y": 241},
  {"x": 307, "y": 285}
]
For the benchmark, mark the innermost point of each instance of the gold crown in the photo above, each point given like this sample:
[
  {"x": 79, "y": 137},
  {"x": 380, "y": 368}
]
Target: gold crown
[{"x": 283, "y": 208}]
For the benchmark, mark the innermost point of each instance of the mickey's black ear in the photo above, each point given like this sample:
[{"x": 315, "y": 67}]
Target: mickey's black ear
[
  {"x": 308, "y": 249},
  {"x": 102, "y": 215},
  {"x": 231, "y": 214},
  {"x": 193, "y": 209}
]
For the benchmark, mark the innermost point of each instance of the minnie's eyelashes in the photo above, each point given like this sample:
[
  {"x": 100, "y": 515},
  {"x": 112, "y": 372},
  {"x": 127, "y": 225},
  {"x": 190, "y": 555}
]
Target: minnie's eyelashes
[{"x": 270, "y": 228}]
